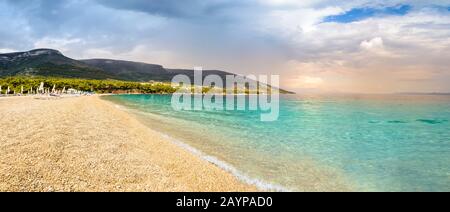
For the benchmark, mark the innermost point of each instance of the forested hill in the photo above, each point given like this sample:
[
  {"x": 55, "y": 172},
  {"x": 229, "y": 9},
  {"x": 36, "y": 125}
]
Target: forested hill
[{"x": 52, "y": 63}]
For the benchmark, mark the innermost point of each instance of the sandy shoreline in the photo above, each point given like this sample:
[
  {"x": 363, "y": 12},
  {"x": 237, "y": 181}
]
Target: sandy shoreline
[{"x": 87, "y": 144}]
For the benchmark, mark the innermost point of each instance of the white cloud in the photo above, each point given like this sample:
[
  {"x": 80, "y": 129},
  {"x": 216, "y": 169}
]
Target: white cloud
[
  {"x": 376, "y": 47},
  {"x": 62, "y": 44},
  {"x": 399, "y": 51},
  {"x": 139, "y": 53},
  {"x": 375, "y": 43},
  {"x": 5, "y": 50},
  {"x": 295, "y": 21}
]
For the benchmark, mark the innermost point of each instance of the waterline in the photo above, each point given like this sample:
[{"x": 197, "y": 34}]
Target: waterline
[
  {"x": 357, "y": 143},
  {"x": 259, "y": 184}
]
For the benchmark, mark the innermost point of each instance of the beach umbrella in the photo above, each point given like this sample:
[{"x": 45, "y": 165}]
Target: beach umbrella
[
  {"x": 41, "y": 87},
  {"x": 7, "y": 91},
  {"x": 21, "y": 91},
  {"x": 53, "y": 89},
  {"x": 64, "y": 90}
]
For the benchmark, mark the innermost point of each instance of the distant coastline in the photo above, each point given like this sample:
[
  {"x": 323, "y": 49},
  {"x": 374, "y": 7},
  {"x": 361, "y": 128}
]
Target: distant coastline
[{"x": 425, "y": 93}]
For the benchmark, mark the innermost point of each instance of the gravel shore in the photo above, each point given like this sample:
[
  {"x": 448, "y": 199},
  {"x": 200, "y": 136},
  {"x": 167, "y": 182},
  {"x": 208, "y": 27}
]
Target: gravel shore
[{"x": 87, "y": 144}]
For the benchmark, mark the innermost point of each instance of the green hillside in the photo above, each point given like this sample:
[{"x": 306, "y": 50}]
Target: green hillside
[{"x": 52, "y": 63}]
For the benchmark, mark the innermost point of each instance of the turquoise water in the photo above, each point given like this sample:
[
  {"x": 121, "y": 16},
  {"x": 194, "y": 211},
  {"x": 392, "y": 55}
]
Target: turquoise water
[{"x": 345, "y": 142}]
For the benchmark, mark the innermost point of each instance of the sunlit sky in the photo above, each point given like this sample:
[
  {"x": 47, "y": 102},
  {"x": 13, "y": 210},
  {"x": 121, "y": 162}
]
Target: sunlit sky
[{"x": 356, "y": 46}]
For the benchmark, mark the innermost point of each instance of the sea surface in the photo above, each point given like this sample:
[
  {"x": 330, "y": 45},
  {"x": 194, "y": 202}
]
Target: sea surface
[{"x": 319, "y": 142}]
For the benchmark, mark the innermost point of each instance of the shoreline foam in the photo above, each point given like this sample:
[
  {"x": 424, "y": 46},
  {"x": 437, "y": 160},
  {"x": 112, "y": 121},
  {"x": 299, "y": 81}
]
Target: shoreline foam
[
  {"x": 306, "y": 175},
  {"x": 260, "y": 184}
]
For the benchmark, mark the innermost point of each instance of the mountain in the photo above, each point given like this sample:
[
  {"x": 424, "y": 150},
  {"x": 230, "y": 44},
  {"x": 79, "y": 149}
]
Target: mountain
[
  {"x": 52, "y": 63},
  {"x": 135, "y": 71},
  {"x": 47, "y": 62},
  {"x": 126, "y": 70}
]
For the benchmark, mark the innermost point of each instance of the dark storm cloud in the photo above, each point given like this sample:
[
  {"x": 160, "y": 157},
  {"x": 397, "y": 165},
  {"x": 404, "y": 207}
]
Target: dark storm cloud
[
  {"x": 27, "y": 22},
  {"x": 177, "y": 8}
]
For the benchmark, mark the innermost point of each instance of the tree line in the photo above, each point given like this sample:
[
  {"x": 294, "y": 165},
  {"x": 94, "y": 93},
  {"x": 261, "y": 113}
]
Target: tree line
[{"x": 16, "y": 84}]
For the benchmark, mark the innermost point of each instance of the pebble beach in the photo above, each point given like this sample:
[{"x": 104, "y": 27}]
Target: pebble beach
[{"x": 88, "y": 144}]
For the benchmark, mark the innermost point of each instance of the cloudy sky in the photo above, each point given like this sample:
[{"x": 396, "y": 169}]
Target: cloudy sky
[{"x": 315, "y": 45}]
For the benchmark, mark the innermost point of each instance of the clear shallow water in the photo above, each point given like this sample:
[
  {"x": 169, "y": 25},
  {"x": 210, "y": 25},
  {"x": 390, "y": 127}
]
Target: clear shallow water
[{"x": 364, "y": 143}]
